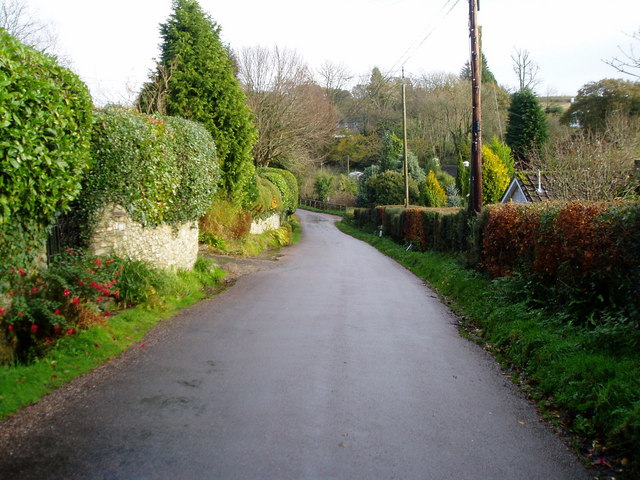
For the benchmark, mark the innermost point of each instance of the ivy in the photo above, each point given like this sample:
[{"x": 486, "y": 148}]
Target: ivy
[{"x": 162, "y": 170}]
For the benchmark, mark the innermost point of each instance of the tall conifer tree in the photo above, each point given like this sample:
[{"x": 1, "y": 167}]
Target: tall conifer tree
[
  {"x": 528, "y": 129},
  {"x": 198, "y": 74}
]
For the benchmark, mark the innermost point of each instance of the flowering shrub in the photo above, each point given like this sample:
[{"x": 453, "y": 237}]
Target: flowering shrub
[{"x": 76, "y": 291}]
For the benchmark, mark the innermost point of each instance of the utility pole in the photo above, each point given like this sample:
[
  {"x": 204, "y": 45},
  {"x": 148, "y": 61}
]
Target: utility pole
[
  {"x": 475, "y": 198},
  {"x": 404, "y": 142}
]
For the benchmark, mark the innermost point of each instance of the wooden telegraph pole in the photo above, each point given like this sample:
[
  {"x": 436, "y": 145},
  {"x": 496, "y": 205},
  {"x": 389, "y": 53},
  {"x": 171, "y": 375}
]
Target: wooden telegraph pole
[
  {"x": 475, "y": 197},
  {"x": 404, "y": 144}
]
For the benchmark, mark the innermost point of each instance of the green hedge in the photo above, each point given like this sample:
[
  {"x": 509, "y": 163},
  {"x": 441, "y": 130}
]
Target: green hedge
[
  {"x": 162, "y": 170},
  {"x": 45, "y": 124},
  {"x": 287, "y": 185}
]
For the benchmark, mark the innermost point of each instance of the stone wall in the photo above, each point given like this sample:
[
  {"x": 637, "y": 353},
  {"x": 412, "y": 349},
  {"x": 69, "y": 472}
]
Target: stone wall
[
  {"x": 265, "y": 225},
  {"x": 163, "y": 246}
]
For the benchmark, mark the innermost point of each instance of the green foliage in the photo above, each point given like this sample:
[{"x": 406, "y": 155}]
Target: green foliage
[
  {"x": 431, "y": 192},
  {"x": 495, "y": 177},
  {"x": 527, "y": 130},
  {"x": 503, "y": 151},
  {"x": 203, "y": 87},
  {"x": 45, "y": 121},
  {"x": 323, "y": 186},
  {"x": 388, "y": 188},
  {"x": 71, "y": 355},
  {"x": 225, "y": 222},
  {"x": 160, "y": 169},
  {"x": 391, "y": 153},
  {"x": 597, "y": 101},
  {"x": 286, "y": 183},
  {"x": 76, "y": 291},
  {"x": 364, "y": 198}
]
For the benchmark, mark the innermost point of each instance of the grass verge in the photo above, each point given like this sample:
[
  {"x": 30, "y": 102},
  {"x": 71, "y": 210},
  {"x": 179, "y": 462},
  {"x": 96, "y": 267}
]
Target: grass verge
[
  {"x": 21, "y": 385},
  {"x": 586, "y": 381}
]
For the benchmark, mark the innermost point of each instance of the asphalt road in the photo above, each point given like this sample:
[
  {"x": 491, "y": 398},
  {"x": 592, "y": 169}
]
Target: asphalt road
[{"x": 336, "y": 363}]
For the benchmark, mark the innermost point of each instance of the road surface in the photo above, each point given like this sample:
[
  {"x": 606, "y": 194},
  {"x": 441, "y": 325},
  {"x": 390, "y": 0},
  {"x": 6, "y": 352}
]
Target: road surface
[{"x": 336, "y": 363}]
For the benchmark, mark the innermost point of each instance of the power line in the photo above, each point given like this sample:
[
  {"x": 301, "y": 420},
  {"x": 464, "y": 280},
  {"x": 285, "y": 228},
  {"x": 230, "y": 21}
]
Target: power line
[{"x": 415, "y": 46}]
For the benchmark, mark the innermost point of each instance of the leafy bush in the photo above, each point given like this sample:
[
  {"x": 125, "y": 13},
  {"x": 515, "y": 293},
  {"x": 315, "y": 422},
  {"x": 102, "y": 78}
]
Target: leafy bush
[
  {"x": 495, "y": 177},
  {"x": 323, "y": 186},
  {"x": 431, "y": 192},
  {"x": 284, "y": 183},
  {"x": 45, "y": 121},
  {"x": 160, "y": 169},
  {"x": 387, "y": 188},
  {"x": 76, "y": 291}
]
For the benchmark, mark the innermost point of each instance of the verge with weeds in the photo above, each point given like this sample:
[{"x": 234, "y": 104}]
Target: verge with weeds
[{"x": 586, "y": 381}]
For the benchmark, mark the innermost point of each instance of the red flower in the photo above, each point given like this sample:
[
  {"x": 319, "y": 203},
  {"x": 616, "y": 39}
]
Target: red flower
[
  {"x": 13, "y": 270},
  {"x": 116, "y": 293},
  {"x": 70, "y": 331},
  {"x": 76, "y": 300},
  {"x": 11, "y": 328},
  {"x": 21, "y": 272},
  {"x": 99, "y": 299},
  {"x": 97, "y": 261},
  {"x": 34, "y": 328},
  {"x": 107, "y": 314},
  {"x": 21, "y": 314},
  {"x": 66, "y": 292},
  {"x": 2, "y": 310},
  {"x": 57, "y": 312},
  {"x": 11, "y": 294},
  {"x": 34, "y": 290},
  {"x": 80, "y": 283},
  {"x": 56, "y": 329},
  {"x": 47, "y": 340}
]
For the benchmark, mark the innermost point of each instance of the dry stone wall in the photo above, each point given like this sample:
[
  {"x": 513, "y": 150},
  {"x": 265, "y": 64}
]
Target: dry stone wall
[
  {"x": 266, "y": 225},
  {"x": 163, "y": 246}
]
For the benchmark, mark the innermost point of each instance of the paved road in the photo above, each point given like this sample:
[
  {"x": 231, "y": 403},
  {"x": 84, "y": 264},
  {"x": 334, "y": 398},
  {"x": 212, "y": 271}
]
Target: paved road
[{"x": 335, "y": 364}]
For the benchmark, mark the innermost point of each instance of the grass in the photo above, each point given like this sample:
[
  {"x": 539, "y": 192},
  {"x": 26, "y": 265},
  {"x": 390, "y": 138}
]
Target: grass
[
  {"x": 585, "y": 379},
  {"x": 21, "y": 385}
]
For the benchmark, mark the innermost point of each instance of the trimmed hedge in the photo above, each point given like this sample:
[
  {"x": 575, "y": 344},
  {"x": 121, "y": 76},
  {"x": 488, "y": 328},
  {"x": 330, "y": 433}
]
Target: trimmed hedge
[
  {"x": 45, "y": 124},
  {"x": 162, "y": 170},
  {"x": 286, "y": 184},
  {"x": 585, "y": 254}
]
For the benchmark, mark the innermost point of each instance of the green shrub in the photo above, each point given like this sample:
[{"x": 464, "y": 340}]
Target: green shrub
[
  {"x": 431, "y": 192},
  {"x": 495, "y": 177},
  {"x": 45, "y": 122},
  {"x": 285, "y": 184},
  {"x": 162, "y": 170},
  {"x": 323, "y": 186},
  {"x": 387, "y": 188}
]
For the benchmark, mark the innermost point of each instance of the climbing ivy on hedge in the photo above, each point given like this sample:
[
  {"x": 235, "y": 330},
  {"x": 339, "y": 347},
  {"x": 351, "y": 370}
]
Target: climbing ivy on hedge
[
  {"x": 160, "y": 169},
  {"x": 45, "y": 121}
]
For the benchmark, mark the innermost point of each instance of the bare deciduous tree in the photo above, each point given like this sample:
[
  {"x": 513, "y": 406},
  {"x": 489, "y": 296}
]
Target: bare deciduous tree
[
  {"x": 593, "y": 166},
  {"x": 629, "y": 62},
  {"x": 525, "y": 68},
  {"x": 17, "y": 19},
  {"x": 294, "y": 118},
  {"x": 334, "y": 77}
]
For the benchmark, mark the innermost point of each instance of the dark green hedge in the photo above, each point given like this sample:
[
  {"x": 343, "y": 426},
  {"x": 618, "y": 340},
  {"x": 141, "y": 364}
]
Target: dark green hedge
[
  {"x": 162, "y": 170},
  {"x": 45, "y": 122}
]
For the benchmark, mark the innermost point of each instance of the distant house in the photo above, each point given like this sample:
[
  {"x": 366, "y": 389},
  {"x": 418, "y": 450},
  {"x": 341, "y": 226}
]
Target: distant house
[{"x": 527, "y": 187}]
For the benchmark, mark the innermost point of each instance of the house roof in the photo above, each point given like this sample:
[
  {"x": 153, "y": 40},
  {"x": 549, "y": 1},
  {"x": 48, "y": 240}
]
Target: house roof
[{"x": 534, "y": 186}]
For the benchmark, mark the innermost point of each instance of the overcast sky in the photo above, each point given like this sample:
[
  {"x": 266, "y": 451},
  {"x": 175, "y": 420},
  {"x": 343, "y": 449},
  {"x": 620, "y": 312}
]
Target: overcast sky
[{"x": 112, "y": 44}]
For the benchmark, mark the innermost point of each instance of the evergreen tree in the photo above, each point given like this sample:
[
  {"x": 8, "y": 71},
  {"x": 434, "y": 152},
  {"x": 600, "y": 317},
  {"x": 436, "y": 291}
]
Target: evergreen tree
[
  {"x": 527, "y": 130},
  {"x": 495, "y": 178},
  {"x": 201, "y": 85}
]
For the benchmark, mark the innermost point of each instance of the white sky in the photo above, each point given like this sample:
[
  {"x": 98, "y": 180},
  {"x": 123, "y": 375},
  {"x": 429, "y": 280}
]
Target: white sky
[{"x": 112, "y": 44}]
